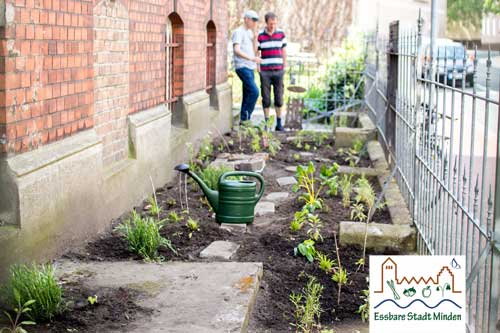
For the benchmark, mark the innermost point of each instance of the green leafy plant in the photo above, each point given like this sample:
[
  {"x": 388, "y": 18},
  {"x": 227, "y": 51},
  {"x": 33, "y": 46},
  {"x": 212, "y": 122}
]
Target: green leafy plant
[
  {"x": 314, "y": 223},
  {"x": 358, "y": 212},
  {"x": 171, "y": 202},
  {"x": 326, "y": 264},
  {"x": 192, "y": 225},
  {"x": 33, "y": 283},
  {"x": 307, "y": 147},
  {"x": 345, "y": 185},
  {"x": 364, "y": 309},
  {"x": 364, "y": 192},
  {"x": 92, "y": 299},
  {"x": 330, "y": 179},
  {"x": 174, "y": 217},
  {"x": 296, "y": 157},
  {"x": 206, "y": 148},
  {"x": 306, "y": 249},
  {"x": 143, "y": 236},
  {"x": 16, "y": 324},
  {"x": 307, "y": 181},
  {"x": 299, "y": 219},
  {"x": 307, "y": 306}
]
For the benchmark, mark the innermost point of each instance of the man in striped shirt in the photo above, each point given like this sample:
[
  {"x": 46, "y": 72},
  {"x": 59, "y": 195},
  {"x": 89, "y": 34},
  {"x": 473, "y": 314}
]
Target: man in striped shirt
[{"x": 272, "y": 48}]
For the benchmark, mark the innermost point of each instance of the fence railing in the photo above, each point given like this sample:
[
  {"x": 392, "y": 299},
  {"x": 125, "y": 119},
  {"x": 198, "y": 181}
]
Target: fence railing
[{"x": 443, "y": 139}]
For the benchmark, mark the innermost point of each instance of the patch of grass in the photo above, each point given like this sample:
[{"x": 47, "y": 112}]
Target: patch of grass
[
  {"x": 34, "y": 282},
  {"x": 143, "y": 236}
]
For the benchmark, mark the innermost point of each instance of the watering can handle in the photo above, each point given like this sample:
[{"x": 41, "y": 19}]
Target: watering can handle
[{"x": 248, "y": 174}]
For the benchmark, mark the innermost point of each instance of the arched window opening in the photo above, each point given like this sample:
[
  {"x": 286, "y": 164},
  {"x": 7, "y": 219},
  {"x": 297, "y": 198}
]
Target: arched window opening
[
  {"x": 174, "y": 62},
  {"x": 211, "y": 62}
]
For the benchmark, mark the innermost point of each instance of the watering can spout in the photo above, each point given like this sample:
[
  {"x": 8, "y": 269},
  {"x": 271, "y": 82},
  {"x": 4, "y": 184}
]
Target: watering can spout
[{"x": 212, "y": 196}]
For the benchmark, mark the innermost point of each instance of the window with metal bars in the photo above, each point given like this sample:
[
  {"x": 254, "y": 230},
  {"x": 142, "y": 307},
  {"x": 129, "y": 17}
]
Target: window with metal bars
[
  {"x": 211, "y": 61},
  {"x": 174, "y": 60}
]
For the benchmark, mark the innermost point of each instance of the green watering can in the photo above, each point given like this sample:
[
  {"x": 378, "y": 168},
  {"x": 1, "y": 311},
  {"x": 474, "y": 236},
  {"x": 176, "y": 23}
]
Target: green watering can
[{"x": 236, "y": 199}]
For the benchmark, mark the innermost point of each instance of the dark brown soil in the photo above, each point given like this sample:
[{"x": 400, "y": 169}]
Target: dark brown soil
[
  {"x": 273, "y": 245},
  {"x": 114, "y": 310}
]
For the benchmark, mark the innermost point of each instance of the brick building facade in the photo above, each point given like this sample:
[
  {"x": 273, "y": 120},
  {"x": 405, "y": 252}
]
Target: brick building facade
[{"x": 95, "y": 97}]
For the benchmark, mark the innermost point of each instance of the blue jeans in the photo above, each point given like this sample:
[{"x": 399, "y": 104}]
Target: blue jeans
[{"x": 250, "y": 92}]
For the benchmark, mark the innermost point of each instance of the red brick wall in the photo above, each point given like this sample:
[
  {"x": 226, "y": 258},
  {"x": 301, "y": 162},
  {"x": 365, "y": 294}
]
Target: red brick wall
[
  {"x": 47, "y": 59},
  {"x": 46, "y": 85}
]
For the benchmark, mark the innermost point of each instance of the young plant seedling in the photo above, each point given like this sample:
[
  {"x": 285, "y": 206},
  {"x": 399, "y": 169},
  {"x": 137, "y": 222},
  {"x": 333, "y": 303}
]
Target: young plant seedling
[
  {"x": 16, "y": 325},
  {"x": 307, "y": 181},
  {"x": 306, "y": 249},
  {"x": 299, "y": 219},
  {"x": 358, "y": 212},
  {"x": 193, "y": 226},
  {"x": 174, "y": 217},
  {"x": 92, "y": 299},
  {"x": 340, "y": 273},
  {"x": 346, "y": 189},
  {"x": 307, "y": 307},
  {"x": 364, "y": 309},
  {"x": 315, "y": 225},
  {"x": 155, "y": 208},
  {"x": 330, "y": 179},
  {"x": 296, "y": 157},
  {"x": 326, "y": 264}
]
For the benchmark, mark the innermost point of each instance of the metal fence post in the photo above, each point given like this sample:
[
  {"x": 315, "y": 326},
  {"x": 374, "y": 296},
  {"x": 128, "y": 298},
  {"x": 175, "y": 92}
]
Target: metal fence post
[
  {"x": 392, "y": 88},
  {"x": 494, "y": 320}
]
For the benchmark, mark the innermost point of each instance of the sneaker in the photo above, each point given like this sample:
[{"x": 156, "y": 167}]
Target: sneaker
[{"x": 279, "y": 128}]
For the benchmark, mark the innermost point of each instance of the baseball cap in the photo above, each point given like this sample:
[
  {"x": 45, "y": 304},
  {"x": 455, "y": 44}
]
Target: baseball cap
[{"x": 251, "y": 14}]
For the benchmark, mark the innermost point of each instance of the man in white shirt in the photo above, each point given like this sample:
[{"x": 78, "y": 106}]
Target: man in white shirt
[{"x": 245, "y": 62}]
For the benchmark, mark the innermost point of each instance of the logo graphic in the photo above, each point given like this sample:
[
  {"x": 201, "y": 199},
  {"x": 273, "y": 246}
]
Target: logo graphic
[{"x": 417, "y": 293}]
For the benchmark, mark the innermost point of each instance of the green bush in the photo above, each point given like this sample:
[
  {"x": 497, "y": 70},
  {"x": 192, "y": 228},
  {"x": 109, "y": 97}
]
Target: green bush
[
  {"x": 34, "y": 282},
  {"x": 210, "y": 175},
  {"x": 143, "y": 236}
]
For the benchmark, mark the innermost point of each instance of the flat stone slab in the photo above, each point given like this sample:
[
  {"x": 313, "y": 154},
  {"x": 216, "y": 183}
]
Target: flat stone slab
[
  {"x": 264, "y": 208},
  {"x": 369, "y": 172},
  {"x": 380, "y": 236},
  {"x": 291, "y": 169},
  {"x": 241, "y": 162},
  {"x": 285, "y": 181},
  {"x": 277, "y": 196},
  {"x": 186, "y": 296},
  {"x": 219, "y": 250},
  {"x": 234, "y": 227},
  {"x": 306, "y": 154}
]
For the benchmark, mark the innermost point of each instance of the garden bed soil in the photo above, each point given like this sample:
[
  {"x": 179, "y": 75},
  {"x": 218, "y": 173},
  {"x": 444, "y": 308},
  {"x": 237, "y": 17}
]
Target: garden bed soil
[
  {"x": 272, "y": 244},
  {"x": 114, "y": 310}
]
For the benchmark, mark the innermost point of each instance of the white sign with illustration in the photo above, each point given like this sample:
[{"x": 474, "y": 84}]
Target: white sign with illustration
[{"x": 417, "y": 294}]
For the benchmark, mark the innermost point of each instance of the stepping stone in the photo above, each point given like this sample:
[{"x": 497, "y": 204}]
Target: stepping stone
[
  {"x": 277, "y": 196},
  {"x": 208, "y": 297},
  {"x": 264, "y": 208},
  {"x": 251, "y": 165},
  {"x": 233, "y": 227},
  {"x": 220, "y": 250},
  {"x": 306, "y": 154},
  {"x": 284, "y": 181},
  {"x": 291, "y": 169}
]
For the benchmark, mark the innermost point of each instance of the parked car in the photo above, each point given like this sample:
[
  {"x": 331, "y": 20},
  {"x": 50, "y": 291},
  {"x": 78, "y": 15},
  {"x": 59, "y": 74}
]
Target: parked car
[{"x": 449, "y": 55}]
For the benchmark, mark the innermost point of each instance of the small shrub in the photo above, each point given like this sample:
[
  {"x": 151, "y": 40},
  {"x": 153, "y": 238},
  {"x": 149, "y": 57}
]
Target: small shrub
[
  {"x": 210, "y": 175},
  {"x": 143, "y": 236},
  {"x": 34, "y": 283},
  {"x": 307, "y": 306}
]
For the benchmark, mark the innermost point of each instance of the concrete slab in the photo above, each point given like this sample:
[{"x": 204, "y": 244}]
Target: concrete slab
[
  {"x": 187, "y": 297},
  {"x": 291, "y": 168},
  {"x": 277, "y": 196},
  {"x": 220, "y": 250},
  {"x": 306, "y": 154},
  {"x": 285, "y": 181},
  {"x": 369, "y": 172},
  {"x": 264, "y": 208},
  {"x": 380, "y": 236}
]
